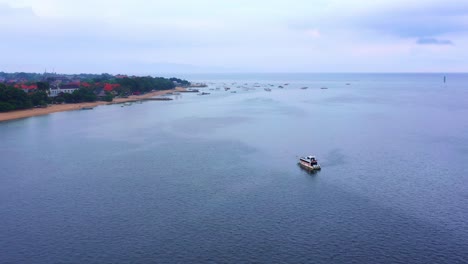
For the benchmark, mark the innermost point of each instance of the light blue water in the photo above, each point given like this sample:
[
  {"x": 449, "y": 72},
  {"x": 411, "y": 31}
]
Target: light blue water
[{"x": 214, "y": 178}]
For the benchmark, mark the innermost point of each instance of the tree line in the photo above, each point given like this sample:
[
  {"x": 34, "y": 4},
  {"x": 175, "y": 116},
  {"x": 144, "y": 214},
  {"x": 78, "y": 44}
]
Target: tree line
[
  {"x": 16, "y": 99},
  {"x": 143, "y": 84},
  {"x": 12, "y": 98}
]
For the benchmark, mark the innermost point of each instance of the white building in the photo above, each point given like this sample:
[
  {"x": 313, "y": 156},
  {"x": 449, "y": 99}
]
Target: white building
[{"x": 64, "y": 88}]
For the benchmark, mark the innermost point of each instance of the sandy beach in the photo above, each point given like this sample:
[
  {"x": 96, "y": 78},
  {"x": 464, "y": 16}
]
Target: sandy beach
[{"x": 68, "y": 107}]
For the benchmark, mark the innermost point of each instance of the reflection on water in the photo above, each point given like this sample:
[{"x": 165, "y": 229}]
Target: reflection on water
[{"x": 215, "y": 178}]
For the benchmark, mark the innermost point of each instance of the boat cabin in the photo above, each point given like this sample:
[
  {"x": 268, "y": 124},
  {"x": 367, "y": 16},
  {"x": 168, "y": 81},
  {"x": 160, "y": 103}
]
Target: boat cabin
[{"x": 309, "y": 159}]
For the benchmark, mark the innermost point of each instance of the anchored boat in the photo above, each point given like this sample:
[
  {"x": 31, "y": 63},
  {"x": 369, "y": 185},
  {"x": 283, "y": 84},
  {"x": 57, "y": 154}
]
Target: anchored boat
[{"x": 309, "y": 162}]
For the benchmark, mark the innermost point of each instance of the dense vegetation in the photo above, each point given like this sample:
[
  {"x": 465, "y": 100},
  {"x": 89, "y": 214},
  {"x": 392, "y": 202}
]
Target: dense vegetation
[
  {"x": 16, "y": 99},
  {"x": 78, "y": 96},
  {"x": 180, "y": 81},
  {"x": 13, "y": 99},
  {"x": 91, "y": 85},
  {"x": 143, "y": 84},
  {"x": 22, "y": 76},
  {"x": 34, "y": 77}
]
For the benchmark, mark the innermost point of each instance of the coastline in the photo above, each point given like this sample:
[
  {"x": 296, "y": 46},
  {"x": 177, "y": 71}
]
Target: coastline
[{"x": 18, "y": 114}]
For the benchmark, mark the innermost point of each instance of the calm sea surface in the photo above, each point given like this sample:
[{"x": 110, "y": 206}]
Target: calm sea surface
[{"x": 214, "y": 179}]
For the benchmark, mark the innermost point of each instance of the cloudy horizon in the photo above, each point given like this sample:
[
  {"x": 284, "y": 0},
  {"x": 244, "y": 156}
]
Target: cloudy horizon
[{"x": 205, "y": 36}]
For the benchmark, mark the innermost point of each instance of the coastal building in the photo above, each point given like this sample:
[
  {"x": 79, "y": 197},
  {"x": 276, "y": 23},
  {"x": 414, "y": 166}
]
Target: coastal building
[
  {"x": 63, "y": 88},
  {"x": 110, "y": 86},
  {"x": 26, "y": 87}
]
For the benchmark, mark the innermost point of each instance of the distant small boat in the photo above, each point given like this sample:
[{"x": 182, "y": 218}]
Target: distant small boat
[
  {"x": 190, "y": 91},
  {"x": 348, "y": 84},
  {"x": 280, "y": 86},
  {"x": 309, "y": 163},
  {"x": 324, "y": 88},
  {"x": 303, "y": 88},
  {"x": 233, "y": 92},
  {"x": 203, "y": 93},
  {"x": 87, "y": 108},
  {"x": 267, "y": 89},
  {"x": 227, "y": 88},
  {"x": 127, "y": 104}
]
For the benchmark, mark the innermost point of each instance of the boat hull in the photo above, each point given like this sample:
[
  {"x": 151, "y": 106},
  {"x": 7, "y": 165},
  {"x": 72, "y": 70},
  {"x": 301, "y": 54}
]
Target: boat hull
[{"x": 307, "y": 166}]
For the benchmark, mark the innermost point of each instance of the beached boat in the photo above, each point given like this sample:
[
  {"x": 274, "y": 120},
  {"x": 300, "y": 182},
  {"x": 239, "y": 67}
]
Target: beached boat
[
  {"x": 309, "y": 163},
  {"x": 87, "y": 108},
  {"x": 190, "y": 91}
]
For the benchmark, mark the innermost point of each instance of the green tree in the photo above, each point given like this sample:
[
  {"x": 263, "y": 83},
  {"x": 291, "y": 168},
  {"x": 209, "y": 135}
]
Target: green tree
[
  {"x": 39, "y": 98},
  {"x": 108, "y": 97},
  {"x": 43, "y": 86},
  {"x": 13, "y": 99}
]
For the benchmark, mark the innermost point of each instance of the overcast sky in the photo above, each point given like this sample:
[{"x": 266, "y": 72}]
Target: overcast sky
[{"x": 147, "y": 37}]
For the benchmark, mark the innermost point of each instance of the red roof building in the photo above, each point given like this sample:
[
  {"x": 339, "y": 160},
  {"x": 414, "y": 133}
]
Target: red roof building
[
  {"x": 26, "y": 87},
  {"x": 110, "y": 86}
]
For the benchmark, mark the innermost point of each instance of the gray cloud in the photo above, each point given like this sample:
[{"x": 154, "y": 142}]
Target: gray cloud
[
  {"x": 421, "y": 21},
  {"x": 433, "y": 41},
  {"x": 429, "y": 19}
]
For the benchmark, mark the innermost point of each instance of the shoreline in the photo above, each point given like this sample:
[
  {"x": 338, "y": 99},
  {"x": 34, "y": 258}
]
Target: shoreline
[{"x": 18, "y": 114}]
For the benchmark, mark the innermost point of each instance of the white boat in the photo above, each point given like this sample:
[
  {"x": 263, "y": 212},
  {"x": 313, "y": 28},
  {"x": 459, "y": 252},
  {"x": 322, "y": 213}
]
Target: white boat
[
  {"x": 127, "y": 104},
  {"x": 309, "y": 162}
]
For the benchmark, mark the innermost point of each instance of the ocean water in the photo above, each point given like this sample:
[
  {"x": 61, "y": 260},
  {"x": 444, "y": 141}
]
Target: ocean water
[{"x": 214, "y": 179}]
